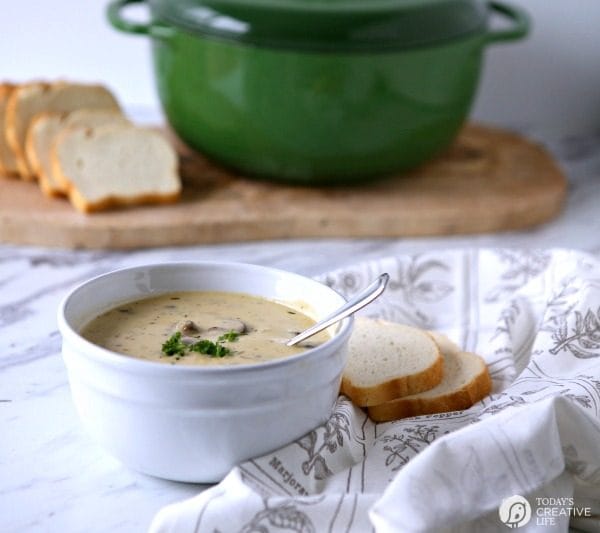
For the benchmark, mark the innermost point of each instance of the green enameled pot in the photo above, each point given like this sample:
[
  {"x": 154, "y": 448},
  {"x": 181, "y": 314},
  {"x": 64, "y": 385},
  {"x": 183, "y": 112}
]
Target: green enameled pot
[{"x": 319, "y": 91}]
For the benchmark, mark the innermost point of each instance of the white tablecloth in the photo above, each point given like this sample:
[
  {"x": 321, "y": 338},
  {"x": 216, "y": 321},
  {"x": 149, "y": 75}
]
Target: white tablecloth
[{"x": 535, "y": 318}]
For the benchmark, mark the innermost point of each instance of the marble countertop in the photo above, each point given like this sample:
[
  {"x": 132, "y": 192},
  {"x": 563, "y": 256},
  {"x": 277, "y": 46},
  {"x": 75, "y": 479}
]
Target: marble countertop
[{"x": 52, "y": 476}]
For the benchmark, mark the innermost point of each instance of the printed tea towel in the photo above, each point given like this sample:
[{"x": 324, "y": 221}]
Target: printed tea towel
[{"x": 526, "y": 457}]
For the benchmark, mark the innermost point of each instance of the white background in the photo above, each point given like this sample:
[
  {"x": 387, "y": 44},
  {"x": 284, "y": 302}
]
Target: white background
[{"x": 552, "y": 80}]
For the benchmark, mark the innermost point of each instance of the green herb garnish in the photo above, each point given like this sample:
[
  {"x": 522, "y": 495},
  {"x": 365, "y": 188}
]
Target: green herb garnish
[
  {"x": 206, "y": 347},
  {"x": 173, "y": 345},
  {"x": 230, "y": 336}
]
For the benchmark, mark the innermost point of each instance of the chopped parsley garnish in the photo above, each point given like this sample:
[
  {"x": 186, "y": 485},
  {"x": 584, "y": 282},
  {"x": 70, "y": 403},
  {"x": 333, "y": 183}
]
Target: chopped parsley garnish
[
  {"x": 173, "y": 345},
  {"x": 230, "y": 336},
  {"x": 206, "y": 347}
]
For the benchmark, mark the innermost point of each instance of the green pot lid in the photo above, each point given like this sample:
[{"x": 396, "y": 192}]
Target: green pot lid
[{"x": 326, "y": 24}]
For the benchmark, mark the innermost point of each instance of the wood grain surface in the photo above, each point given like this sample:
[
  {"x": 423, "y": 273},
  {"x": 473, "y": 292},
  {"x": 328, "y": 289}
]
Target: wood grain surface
[{"x": 489, "y": 180}]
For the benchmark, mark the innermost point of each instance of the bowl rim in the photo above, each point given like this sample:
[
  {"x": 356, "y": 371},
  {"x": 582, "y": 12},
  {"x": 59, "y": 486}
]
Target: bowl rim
[{"x": 136, "y": 365}]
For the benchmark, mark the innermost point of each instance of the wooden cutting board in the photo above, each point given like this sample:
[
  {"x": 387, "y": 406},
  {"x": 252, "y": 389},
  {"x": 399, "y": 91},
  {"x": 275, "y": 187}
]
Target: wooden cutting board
[{"x": 489, "y": 180}]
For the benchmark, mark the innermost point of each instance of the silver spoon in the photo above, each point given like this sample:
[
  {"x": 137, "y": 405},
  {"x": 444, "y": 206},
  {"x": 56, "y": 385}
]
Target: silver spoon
[{"x": 350, "y": 307}]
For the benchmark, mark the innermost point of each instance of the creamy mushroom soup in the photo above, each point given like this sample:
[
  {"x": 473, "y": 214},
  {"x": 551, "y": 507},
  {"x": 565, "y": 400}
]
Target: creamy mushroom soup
[{"x": 202, "y": 328}]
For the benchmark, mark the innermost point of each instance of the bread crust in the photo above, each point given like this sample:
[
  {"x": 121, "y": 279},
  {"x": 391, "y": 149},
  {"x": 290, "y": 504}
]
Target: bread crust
[
  {"x": 402, "y": 386},
  {"x": 463, "y": 398},
  {"x": 44, "y": 181},
  {"x": 7, "y": 162},
  {"x": 11, "y": 128},
  {"x": 84, "y": 206}
]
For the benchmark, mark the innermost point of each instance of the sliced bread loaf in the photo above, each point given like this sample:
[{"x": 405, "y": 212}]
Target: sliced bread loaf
[
  {"x": 8, "y": 162},
  {"x": 115, "y": 165},
  {"x": 26, "y": 101},
  {"x": 387, "y": 361},
  {"x": 466, "y": 381},
  {"x": 43, "y": 131}
]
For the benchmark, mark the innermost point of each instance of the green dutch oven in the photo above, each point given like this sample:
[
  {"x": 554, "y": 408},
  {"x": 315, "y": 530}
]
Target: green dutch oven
[{"x": 319, "y": 91}]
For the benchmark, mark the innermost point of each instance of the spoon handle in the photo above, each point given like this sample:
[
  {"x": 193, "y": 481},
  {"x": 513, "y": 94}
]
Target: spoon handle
[{"x": 359, "y": 301}]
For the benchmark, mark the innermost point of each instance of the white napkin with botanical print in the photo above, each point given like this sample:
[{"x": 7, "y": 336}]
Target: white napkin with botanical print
[{"x": 526, "y": 457}]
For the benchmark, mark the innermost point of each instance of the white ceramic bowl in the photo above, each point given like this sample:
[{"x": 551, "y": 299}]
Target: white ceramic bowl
[{"x": 190, "y": 423}]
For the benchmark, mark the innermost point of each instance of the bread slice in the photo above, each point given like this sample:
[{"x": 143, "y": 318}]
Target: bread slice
[
  {"x": 115, "y": 165},
  {"x": 445, "y": 344},
  {"x": 28, "y": 100},
  {"x": 43, "y": 131},
  {"x": 388, "y": 360},
  {"x": 466, "y": 381},
  {"x": 8, "y": 162}
]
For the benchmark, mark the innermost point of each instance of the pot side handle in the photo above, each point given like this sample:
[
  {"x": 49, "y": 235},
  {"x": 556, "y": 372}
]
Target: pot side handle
[
  {"x": 114, "y": 15},
  {"x": 519, "y": 17}
]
